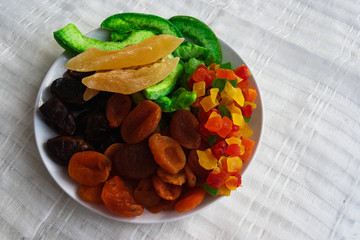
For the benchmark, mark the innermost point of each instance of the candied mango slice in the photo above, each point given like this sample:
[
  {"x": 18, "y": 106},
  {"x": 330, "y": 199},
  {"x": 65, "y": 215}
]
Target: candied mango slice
[
  {"x": 129, "y": 81},
  {"x": 145, "y": 52}
]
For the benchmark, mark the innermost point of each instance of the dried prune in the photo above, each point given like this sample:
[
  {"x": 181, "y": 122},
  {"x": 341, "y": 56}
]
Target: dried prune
[
  {"x": 118, "y": 198},
  {"x": 145, "y": 193},
  {"x": 141, "y": 122},
  {"x": 58, "y": 116},
  {"x": 167, "y": 153},
  {"x": 134, "y": 161},
  {"x": 76, "y": 75},
  {"x": 185, "y": 129},
  {"x": 61, "y": 148},
  {"x": 69, "y": 91},
  {"x": 89, "y": 168},
  {"x": 97, "y": 129},
  {"x": 117, "y": 108}
]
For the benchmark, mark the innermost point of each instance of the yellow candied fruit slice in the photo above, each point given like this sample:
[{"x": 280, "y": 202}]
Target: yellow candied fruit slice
[
  {"x": 207, "y": 159},
  {"x": 128, "y": 81},
  {"x": 199, "y": 88},
  {"x": 234, "y": 164},
  {"x": 238, "y": 119},
  {"x": 246, "y": 131},
  {"x": 145, "y": 52}
]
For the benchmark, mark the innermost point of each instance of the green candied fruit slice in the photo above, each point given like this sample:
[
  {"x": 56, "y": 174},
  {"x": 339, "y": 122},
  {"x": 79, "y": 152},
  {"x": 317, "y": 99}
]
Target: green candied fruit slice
[
  {"x": 72, "y": 40},
  {"x": 200, "y": 33},
  {"x": 128, "y": 22},
  {"x": 166, "y": 86}
]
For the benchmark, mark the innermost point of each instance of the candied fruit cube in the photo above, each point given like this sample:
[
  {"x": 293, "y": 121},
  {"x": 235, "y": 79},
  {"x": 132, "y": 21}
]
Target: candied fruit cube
[
  {"x": 238, "y": 119},
  {"x": 223, "y": 191},
  {"x": 199, "y": 88},
  {"x": 233, "y": 164},
  {"x": 207, "y": 159},
  {"x": 231, "y": 182},
  {"x": 245, "y": 131},
  {"x": 214, "y": 124}
]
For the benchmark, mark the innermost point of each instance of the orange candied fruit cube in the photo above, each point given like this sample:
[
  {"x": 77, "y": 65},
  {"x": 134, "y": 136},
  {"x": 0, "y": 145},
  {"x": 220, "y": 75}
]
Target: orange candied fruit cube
[{"x": 248, "y": 144}]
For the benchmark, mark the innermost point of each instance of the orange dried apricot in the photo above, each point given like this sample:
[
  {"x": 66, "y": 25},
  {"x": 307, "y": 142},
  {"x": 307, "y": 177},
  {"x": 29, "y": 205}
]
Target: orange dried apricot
[
  {"x": 165, "y": 190},
  {"x": 167, "y": 153},
  {"x": 117, "y": 108},
  {"x": 89, "y": 168},
  {"x": 190, "y": 199},
  {"x": 162, "y": 205},
  {"x": 141, "y": 122},
  {"x": 90, "y": 193},
  {"x": 176, "y": 179},
  {"x": 185, "y": 129},
  {"x": 119, "y": 198},
  {"x": 134, "y": 161},
  {"x": 145, "y": 193},
  {"x": 190, "y": 176}
]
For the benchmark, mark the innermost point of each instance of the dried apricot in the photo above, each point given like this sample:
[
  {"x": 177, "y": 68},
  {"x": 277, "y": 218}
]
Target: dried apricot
[
  {"x": 185, "y": 129},
  {"x": 118, "y": 198},
  {"x": 167, "y": 153},
  {"x": 145, "y": 193},
  {"x": 117, "y": 108},
  {"x": 162, "y": 205},
  {"x": 190, "y": 176},
  {"x": 141, "y": 122},
  {"x": 89, "y": 168},
  {"x": 190, "y": 200},
  {"x": 165, "y": 190},
  {"x": 193, "y": 162},
  {"x": 90, "y": 193},
  {"x": 134, "y": 161},
  {"x": 176, "y": 179}
]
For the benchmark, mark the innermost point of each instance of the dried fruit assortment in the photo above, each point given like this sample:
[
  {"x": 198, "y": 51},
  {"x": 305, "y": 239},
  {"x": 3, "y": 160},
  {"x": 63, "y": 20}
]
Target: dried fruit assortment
[{"x": 165, "y": 148}]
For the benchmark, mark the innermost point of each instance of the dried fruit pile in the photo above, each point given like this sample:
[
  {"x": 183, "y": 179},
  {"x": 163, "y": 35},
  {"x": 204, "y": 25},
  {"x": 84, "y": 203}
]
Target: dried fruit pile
[{"x": 131, "y": 148}]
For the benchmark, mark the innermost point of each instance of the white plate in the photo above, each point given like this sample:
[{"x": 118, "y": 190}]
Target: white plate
[{"x": 43, "y": 132}]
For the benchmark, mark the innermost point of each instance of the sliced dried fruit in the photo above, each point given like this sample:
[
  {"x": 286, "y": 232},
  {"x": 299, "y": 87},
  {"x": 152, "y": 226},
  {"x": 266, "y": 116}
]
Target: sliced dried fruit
[
  {"x": 129, "y": 81},
  {"x": 145, "y": 52}
]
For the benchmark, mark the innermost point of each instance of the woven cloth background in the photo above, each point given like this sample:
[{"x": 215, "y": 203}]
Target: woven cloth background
[{"x": 304, "y": 183}]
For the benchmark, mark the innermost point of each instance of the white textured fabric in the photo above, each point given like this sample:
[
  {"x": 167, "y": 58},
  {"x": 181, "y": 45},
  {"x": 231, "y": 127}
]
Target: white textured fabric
[{"x": 304, "y": 183}]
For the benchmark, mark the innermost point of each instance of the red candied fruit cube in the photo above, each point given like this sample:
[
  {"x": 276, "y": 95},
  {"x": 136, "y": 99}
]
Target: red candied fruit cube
[
  {"x": 242, "y": 72},
  {"x": 233, "y": 150},
  {"x": 219, "y": 149}
]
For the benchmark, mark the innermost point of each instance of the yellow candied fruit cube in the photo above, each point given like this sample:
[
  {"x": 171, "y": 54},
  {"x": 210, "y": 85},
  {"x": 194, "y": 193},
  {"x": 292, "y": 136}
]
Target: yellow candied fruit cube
[
  {"x": 231, "y": 182},
  {"x": 224, "y": 191},
  {"x": 213, "y": 94},
  {"x": 233, "y": 140},
  {"x": 234, "y": 109},
  {"x": 208, "y": 104},
  {"x": 234, "y": 164},
  {"x": 225, "y": 99},
  {"x": 214, "y": 114},
  {"x": 207, "y": 159},
  {"x": 250, "y": 103},
  {"x": 242, "y": 149},
  {"x": 199, "y": 88},
  {"x": 222, "y": 162},
  {"x": 245, "y": 131},
  {"x": 238, "y": 119},
  {"x": 239, "y": 97},
  {"x": 229, "y": 90}
]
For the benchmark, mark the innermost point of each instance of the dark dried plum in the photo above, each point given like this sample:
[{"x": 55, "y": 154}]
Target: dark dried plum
[
  {"x": 69, "y": 91},
  {"x": 57, "y": 116},
  {"x": 97, "y": 129},
  {"x": 61, "y": 148},
  {"x": 76, "y": 75}
]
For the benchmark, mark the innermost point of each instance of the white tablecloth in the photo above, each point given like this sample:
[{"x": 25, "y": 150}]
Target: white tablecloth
[{"x": 304, "y": 182}]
